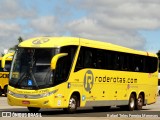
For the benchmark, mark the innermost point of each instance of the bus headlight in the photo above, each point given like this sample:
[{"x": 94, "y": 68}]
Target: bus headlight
[
  {"x": 48, "y": 93},
  {"x": 10, "y": 92}
]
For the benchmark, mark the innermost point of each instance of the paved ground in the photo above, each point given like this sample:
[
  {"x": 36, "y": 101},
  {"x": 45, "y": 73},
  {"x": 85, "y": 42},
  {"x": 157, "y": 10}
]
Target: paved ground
[{"x": 148, "y": 112}]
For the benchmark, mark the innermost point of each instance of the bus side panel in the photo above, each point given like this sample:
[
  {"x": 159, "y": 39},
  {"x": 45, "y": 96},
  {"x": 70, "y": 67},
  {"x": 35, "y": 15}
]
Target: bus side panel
[
  {"x": 3, "y": 79},
  {"x": 104, "y": 87}
]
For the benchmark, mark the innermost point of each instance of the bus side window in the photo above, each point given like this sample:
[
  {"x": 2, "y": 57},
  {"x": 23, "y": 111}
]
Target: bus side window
[
  {"x": 136, "y": 63},
  {"x": 117, "y": 62},
  {"x": 108, "y": 60},
  {"x": 151, "y": 64},
  {"x": 88, "y": 59},
  {"x": 139, "y": 64},
  {"x": 131, "y": 64},
  {"x": 100, "y": 59},
  {"x": 79, "y": 64},
  {"x": 64, "y": 64},
  {"x": 7, "y": 66},
  {"x": 123, "y": 62}
]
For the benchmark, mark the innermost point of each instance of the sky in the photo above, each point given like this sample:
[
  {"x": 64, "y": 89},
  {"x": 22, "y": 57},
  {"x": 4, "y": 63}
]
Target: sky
[{"x": 130, "y": 23}]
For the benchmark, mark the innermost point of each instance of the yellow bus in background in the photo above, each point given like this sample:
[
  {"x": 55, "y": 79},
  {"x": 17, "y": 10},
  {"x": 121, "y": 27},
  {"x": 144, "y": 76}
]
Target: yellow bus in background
[
  {"x": 158, "y": 83},
  {"x": 4, "y": 76},
  {"x": 67, "y": 72}
]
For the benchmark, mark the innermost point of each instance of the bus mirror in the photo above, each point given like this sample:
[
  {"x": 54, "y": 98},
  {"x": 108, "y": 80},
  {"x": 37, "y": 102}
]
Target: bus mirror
[
  {"x": 3, "y": 62},
  {"x": 55, "y": 59}
]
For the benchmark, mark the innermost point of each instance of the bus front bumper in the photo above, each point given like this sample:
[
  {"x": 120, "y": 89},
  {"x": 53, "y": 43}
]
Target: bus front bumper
[{"x": 43, "y": 102}]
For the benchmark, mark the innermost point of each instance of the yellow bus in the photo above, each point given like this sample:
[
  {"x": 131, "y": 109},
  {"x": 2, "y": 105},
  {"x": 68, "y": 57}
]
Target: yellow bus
[
  {"x": 158, "y": 92},
  {"x": 4, "y": 75},
  {"x": 68, "y": 72}
]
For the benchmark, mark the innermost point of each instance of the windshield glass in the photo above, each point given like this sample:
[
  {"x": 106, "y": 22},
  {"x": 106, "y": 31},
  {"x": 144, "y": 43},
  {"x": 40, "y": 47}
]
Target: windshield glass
[{"x": 31, "y": 68}]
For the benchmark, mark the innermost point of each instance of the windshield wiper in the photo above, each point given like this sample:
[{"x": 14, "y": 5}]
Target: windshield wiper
[
  {"x": 34, "y": 80},
  {"x": 31, "y": 66},
  {"x": 26, "y": 76},
  {"x": 20, "y": 80}
]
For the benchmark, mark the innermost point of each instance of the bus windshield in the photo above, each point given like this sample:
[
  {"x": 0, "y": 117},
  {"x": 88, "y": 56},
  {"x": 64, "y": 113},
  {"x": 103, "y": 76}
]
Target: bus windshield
[
  {"x": 31, "y": 68},
  {"x": 7, "y": 66}
]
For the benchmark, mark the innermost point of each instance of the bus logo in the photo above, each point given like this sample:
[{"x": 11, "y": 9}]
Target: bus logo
[
  {"x": 25, "y": 96},
  {"x": 40, "y": 41},
  {"x": 88, "y": 80}
]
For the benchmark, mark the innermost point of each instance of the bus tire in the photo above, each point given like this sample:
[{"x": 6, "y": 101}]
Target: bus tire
[
  {"x": 5, "y": 91},
  {"x": 33, "y": 109},
  {"x": 72, "y": 106},
  {"x": 131, "y": 104},
  {"x": 139, "y": 102}
]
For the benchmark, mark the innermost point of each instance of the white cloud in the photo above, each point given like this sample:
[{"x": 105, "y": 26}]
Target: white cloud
[
  {"x": 89, "y": 28},
  {"x": 13, "y": 9},
  {"x": 45, "y": 24},
  {"x": 117, "y": 21},
  {"x": 9, "y": 34},
  {"x": 8, "y": 28}
]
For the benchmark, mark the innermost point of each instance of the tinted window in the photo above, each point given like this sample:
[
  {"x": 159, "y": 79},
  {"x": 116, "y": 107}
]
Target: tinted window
[
  {"x": 113, "y": 60},
  {"x": 7, "y": 67},
  {"x": 64, "y": 64}
]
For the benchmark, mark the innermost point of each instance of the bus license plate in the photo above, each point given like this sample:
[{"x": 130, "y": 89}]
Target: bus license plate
[{"x": 26, "y": 102}]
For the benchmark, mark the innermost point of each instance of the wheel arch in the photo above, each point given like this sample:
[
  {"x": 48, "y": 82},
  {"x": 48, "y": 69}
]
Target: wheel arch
[
  {"x": 78, "y": 95},
  {"x": 143, "y": 95},
  {"x": 134, "y": 93}
]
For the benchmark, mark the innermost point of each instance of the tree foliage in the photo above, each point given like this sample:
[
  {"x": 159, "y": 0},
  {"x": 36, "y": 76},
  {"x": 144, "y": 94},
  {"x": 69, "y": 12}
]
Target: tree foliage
[
  {"x": 20, "y": 39},
  {"x": 158, "y": 53}
]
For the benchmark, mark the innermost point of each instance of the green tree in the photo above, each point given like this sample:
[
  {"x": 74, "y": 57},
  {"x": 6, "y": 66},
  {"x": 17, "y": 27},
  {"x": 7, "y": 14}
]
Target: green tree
[
  {"x": 20, "y": 39},
  {"x": 15, "y": 46},
  {"x": 158, "y": 53}
]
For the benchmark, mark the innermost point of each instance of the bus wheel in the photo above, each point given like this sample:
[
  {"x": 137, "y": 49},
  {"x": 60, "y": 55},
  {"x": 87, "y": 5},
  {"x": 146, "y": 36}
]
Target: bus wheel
[
  {"x": 131, "y": 105},
  {"x": 139, "y": 102},
  {"x": 5, "y": 91},
  {"x": 33, "y": 109},
  {"x": 73, "y": 103}
]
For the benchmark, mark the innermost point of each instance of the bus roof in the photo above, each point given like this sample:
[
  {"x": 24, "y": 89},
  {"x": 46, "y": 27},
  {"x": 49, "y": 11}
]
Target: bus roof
[{"x": 56, "y": 42}]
